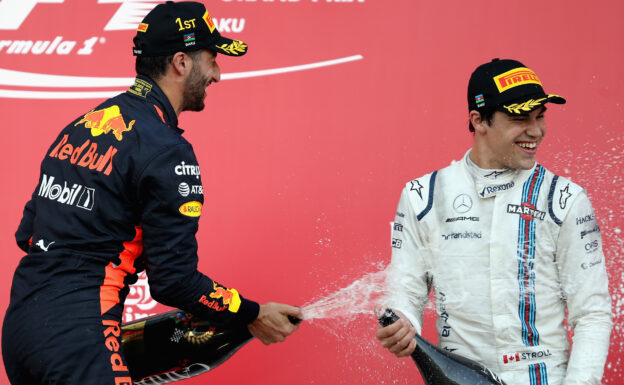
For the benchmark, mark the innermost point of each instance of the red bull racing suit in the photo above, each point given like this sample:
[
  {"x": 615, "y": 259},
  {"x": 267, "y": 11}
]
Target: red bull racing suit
[
  {"x": 119, "y": 191},
  {"x": 507, "y": 253}
]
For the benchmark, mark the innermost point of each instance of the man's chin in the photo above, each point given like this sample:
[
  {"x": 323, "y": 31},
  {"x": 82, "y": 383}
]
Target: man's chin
[
  {"x": 195, "y": 107},
  {"x": 527, "y": 164}
]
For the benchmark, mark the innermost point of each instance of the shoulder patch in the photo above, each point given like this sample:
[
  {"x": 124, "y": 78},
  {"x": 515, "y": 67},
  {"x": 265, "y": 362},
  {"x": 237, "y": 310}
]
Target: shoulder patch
[
  {"x": 420, "y": 192},
  {"x": 106, "y": 120},
  {"x": 560, "y": 197},
  {"x": 191, "y": 209}
]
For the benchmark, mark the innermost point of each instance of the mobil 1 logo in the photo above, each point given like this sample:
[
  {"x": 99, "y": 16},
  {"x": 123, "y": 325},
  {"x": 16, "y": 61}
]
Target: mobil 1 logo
[{"x": 69, "y": 194}]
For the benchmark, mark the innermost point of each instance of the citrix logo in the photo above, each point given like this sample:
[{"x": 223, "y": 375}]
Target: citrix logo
[{"x": 130, "y": 12}]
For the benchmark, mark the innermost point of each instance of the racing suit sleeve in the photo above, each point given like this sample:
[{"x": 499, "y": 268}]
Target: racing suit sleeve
[
  {"x": 584, "y": 283},
  {"x": 408, "y": 282},
  {"x": 171, "y": 198},
  {"x": 24, "y": 233}
]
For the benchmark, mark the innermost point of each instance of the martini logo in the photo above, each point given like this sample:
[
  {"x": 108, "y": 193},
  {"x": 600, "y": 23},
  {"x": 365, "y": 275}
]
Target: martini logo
[
  {"x": 527, "y": 211},
  {"x": 191, "y": 209},
  {"x": 106, "y": 120},
  {"x": 515, "y": 77}
]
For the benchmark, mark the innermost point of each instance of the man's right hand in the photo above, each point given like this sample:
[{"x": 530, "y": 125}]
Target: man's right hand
[
  {"x": 272, "y": 324},
  {"x": 397, "y": 337}
]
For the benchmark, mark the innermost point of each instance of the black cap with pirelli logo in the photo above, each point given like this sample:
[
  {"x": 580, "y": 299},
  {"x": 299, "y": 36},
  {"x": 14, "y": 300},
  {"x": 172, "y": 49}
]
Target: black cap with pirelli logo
[
  {"x": 508, "y": 86},
  {"x": 181, "y": 27}
]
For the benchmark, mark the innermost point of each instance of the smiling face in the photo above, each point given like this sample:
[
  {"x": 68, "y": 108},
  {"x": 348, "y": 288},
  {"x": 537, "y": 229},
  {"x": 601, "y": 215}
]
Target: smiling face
[
  {"x": 508, "y": 141},
  {"x": 204, "y": 71}
]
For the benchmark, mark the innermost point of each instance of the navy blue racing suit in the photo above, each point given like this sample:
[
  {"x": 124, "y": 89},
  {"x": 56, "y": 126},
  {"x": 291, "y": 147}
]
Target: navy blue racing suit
[{"x": 119, "y": 191}]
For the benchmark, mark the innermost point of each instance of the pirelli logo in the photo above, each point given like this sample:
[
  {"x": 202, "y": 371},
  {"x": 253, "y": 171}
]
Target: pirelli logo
[
  {"x": 515, "y": 77},
  {"x": 209, "y": 22}
]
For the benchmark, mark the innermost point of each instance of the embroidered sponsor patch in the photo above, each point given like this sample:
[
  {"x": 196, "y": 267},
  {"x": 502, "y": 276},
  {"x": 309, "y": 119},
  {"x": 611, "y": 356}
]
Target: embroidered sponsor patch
[
  {"x": 191, "y": 209},
  {"x": 209, "y": 22},
  {"x": 107, "y": 120},
  {"x": 515, "y": 77}
]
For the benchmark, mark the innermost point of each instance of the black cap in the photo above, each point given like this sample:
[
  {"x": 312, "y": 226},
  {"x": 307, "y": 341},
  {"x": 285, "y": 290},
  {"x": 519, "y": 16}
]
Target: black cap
[
  {"x": 182, "y": 27},
  {"x": 508, "y": 86}
]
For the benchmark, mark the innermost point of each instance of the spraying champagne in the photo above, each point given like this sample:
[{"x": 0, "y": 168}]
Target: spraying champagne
[
  {"x": 439, "y": 367},
  {"x": 176, "y": 345}
]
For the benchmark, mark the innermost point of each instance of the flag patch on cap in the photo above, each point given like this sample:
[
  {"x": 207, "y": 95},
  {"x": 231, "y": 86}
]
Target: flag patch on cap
[
  {"x": 142, "y": 27},
  {"x": 189, "y": 37},
  {"x": 480, "y": 100}
]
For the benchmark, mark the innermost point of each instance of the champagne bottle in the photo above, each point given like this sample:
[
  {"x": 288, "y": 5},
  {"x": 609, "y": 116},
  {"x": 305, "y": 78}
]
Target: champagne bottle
[
  {"x": 176, "y": 345},
  {"x": 439, "y": 367}
]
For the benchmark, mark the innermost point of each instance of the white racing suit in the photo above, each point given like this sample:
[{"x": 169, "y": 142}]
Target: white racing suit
[{"x": 506, "y": 257}]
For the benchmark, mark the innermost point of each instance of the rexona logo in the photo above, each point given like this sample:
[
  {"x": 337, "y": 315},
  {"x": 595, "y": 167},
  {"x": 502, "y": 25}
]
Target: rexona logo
[{"x": 71, "y": 195}]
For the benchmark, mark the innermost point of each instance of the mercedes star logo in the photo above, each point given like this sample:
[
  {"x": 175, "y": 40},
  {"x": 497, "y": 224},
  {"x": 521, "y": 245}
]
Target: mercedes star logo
[{"x": 462, "y": 204}]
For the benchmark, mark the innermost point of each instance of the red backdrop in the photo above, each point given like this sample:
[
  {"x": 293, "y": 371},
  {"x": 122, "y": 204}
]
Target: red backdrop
[{"x": 302, "y": 170}]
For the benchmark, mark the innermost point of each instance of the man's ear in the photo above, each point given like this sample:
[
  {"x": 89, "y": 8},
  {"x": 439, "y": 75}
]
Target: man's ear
[
  {"x": 478, "y": 123},
  {"x": 181, "y": 63}
]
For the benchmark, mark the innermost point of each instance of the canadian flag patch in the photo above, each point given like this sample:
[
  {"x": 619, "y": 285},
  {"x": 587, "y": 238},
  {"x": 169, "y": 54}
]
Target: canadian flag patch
[{"x": 511, "y": 357}]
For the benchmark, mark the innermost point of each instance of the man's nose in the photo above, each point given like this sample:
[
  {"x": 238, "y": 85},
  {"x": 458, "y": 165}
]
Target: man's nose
[
  {"x": 535, "y": 129},
  {"x": 217, "y": 73}
]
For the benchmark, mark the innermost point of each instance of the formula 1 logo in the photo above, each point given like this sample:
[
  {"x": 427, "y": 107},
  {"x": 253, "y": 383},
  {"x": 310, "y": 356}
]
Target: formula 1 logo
[
  {"x": 14, "y": 12},
  {"x": 38, "y": 42}
]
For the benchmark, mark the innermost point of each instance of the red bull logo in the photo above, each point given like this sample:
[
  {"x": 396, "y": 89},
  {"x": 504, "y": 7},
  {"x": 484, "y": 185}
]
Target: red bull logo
[
  {"x": 112, "y": 335},
  {"x": 106, "y": 120},
  {"x": 86, "y": 155},
  {"x": 229, "y": 298}
]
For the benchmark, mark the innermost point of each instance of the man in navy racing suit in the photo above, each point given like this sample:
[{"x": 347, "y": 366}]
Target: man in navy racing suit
[{"x": 120, "y": 191}]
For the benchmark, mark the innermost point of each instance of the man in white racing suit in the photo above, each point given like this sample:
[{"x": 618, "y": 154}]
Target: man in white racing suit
[{"x": 507, "y": 246}]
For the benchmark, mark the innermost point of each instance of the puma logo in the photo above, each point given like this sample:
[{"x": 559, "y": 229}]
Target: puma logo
[{"x": 42, "y": 246}]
